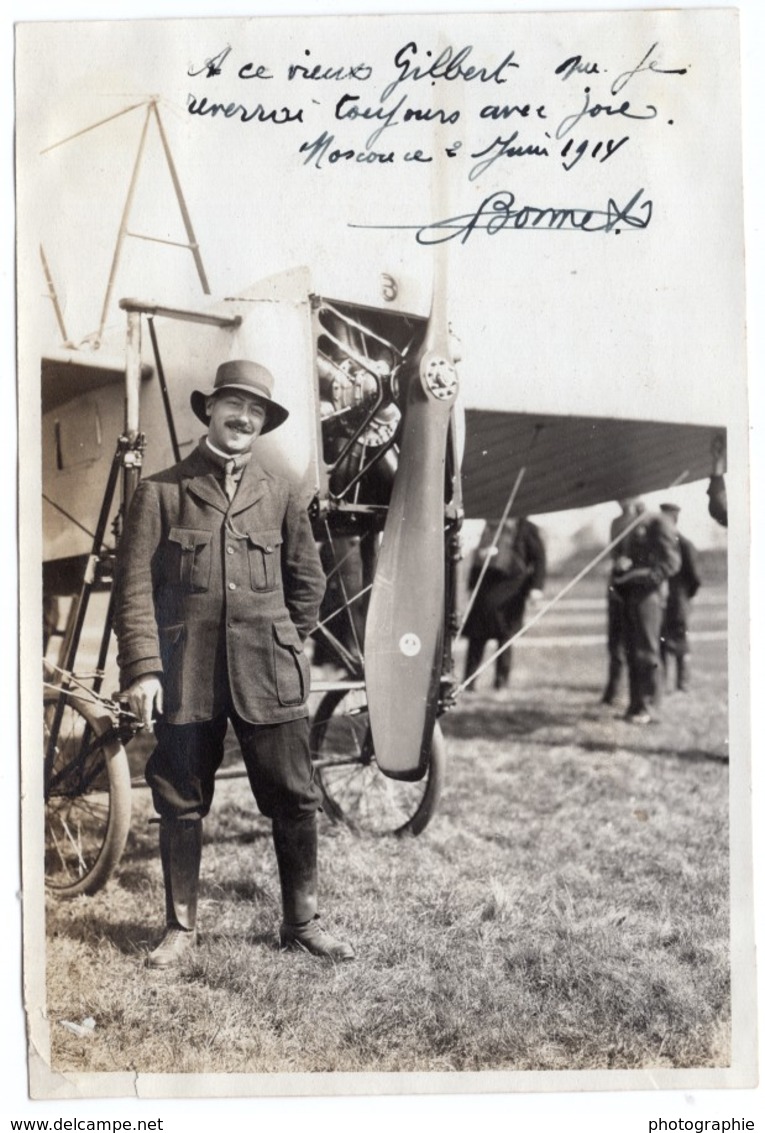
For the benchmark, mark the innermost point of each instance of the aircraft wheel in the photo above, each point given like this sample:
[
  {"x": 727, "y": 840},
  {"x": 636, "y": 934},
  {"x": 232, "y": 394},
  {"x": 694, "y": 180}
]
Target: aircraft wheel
[
  {"x": 87, "y": 800},
  {"x": 355, "y": 791}
]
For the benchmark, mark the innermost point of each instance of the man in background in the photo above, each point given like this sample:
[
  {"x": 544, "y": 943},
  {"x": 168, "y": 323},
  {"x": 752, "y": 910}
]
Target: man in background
[
  {"x": 718, "y": 498},
  {"x": 649, "y": 556},
  {"x": 683, "y": 587},
  {"x": 617, "y": 642},
  {"x": 516, "y": 567}
]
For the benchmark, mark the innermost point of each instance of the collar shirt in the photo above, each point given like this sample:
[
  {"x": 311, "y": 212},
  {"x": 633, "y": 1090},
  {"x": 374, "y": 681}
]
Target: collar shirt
[{"x": 231, "y": 466}]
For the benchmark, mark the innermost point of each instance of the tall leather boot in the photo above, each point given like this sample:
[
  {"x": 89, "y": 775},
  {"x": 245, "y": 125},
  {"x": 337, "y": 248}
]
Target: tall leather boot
[
  {"x": 502, "y": 669},
  {"x": 642, "y": 692},
  {"x": 612, "y": 687},
  {"x": 682, "y": 674},
  {"x": 648, "y": 699},
  {"x": 180, "y": 848},
  {"x": 296, "y": 846},
  {"x": 473, "y": 658}
]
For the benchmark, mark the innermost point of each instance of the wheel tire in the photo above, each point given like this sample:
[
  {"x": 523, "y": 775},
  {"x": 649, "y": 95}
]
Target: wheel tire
[
  {"x": 355, "y": 792},
  {"x": 87, "y": 800}
]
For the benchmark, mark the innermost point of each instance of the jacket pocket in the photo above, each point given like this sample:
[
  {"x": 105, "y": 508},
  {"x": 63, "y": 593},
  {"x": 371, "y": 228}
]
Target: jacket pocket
[
  {"x": 193, "y": 549},
  {"x": 263, "y": 549},
  {"x": 171, "y": 643},
  {"x": 291, "y": 669}
]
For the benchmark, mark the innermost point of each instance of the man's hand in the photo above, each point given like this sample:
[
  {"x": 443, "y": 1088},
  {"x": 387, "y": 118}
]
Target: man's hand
[
  {"x": 637, "y": 576},
  {"x": 535, "y": 596},
  {"x": 145, "y": 699},
  {"x": 622, "y": 564}
]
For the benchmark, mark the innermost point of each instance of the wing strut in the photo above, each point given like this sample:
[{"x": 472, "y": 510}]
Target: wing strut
[{"x": 151, "y": 110}]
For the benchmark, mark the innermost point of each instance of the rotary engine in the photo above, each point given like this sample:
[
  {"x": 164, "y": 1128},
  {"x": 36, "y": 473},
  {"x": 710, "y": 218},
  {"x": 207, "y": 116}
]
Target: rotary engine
[{"x": 358, "y": 369}]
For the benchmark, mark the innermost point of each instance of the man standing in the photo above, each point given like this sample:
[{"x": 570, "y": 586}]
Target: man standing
[
  {"x": 649, "y": 556},
  {"x": 218, "y": 584},
  {"x": 682, "y": 588},
  {"x": 617, "y": 643},
  {"x": 718, "y": 497},
  {"x": 516, "y": 571}
]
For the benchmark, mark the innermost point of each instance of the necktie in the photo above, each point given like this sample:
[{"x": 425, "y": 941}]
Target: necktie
[
  {"x": 233, "y": 476},
  {"x": 232, "y": 467}
]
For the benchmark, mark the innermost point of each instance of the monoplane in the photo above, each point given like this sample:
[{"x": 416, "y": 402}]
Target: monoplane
[{"x": 391, "y": 458}]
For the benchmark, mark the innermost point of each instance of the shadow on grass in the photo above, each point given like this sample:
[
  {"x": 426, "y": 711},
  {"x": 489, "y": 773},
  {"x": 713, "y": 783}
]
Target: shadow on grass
[
  {"x": 263, "y": 938},
  {"x": 133, "y": 938},
  {"x": 591, "y": 747},
  {"x": 130, "y": 937},
  {"x": 495, "y": 720},
  {"x": 689, "y": 755},
  {"x": 133, "y": 879},
  {"x": 143, "y": 848},
  {"x": 130, "y": 876},
  {"x": 258, "y": 833},
  {"x": 490, "y": 719},
  {"x": 244, "y": 889}
]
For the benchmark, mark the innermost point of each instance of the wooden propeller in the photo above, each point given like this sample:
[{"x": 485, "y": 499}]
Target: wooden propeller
[{"x": 405, "y": 622}]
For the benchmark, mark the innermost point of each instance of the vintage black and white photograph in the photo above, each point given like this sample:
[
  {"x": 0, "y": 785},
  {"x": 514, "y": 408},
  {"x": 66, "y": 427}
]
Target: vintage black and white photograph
[{"x": 386, "y": 381}]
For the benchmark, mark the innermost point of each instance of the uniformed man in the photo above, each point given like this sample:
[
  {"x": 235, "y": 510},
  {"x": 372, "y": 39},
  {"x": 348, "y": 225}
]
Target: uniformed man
[
  {"x": 717, "y": 493},
  {"x": 649, "y": 557},
  {"x": 683, "y": 587},
  {"x": 516, "y": 571},
  {"x": 617, "y": 637},
  {"x": 218, "y": 584}
]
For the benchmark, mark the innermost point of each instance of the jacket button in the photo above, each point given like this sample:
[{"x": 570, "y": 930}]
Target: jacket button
[
  {"x": 230, "y": 550},
  {"x": 232, "y": 586},
  {"x": 269, "y": 548}
]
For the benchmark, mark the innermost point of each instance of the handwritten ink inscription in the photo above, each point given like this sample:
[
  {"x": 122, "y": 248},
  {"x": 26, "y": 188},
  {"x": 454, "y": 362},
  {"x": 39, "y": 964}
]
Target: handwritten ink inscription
[
  {"x": 383, "y": 114},
  {"x": 500, "y": 212}
]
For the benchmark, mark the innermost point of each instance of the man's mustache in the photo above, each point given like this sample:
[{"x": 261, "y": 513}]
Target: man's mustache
[{"x": 238, "y": 423}]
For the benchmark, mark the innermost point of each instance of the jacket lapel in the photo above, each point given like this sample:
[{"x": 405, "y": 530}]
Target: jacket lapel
[
  {"x": 204, "y": 484},
  {"x": 208, "y": 489},
  {"x": 251, "y": 488}
]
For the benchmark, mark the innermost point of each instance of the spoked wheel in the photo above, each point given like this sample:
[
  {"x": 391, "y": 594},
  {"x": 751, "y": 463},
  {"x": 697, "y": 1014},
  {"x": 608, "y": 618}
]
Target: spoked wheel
[
  {"x": 355, "y": 790},
  {"x": 87, "y": 799}
]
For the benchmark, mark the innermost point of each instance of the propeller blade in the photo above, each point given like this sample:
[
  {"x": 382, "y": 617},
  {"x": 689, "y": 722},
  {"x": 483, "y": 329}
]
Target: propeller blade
[{"x": 405, "y": 621}]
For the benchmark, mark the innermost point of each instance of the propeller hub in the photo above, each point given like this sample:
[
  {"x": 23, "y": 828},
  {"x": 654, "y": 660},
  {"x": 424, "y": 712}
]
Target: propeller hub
[{"x": 439, "y": 377}]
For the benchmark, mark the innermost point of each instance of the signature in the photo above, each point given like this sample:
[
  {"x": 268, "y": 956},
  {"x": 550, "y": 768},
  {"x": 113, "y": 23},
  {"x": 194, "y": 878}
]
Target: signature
[{"x": 500, "y": 211}]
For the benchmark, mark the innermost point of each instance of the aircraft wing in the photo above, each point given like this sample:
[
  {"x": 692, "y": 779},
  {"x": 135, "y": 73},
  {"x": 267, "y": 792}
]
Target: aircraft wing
[
  {"x": 67, "y": 374},
  {"x": 574, "y": 462}
]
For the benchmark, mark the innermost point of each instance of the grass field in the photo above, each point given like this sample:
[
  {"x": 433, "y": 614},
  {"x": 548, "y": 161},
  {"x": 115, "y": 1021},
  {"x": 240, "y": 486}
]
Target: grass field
[{"x": 566, "y": 908}]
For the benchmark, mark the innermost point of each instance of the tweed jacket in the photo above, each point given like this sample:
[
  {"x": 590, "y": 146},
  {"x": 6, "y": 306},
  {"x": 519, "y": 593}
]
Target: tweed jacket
[{"x": 218, "y": 597}]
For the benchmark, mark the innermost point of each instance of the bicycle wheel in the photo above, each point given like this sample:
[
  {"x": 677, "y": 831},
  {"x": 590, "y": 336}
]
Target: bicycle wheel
[
  {"x": 355, "y": 791},
  {"x": 87, "y": 800}
]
